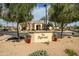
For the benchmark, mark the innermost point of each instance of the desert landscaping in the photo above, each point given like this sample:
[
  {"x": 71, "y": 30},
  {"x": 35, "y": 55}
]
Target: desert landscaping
[
  {"x": 39, "y": 29},
  {"x": 8, "y": 48}
]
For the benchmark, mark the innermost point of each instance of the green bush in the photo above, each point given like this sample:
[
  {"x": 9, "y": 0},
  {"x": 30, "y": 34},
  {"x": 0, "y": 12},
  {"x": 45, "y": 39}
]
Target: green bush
[
  {"x": 39, "y": 53},
  {"x": 76, "y": 27},
  {"x": 70, "y": 52},
  {"x": 46, "y": 43}
]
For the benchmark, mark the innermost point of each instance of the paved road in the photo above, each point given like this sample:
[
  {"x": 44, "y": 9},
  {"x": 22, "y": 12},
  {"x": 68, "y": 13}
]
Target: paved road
[
  {"x": 12, "y": 33},
  {"x": 69, "y": 33}
]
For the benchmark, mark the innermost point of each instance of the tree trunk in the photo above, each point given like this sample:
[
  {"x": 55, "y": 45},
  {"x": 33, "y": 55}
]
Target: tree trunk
[
  {"x": 18, "y": 31},
  {"x": 62, "y": 29},
  {"x": 55, "y": 23},
  {"x": 12, "y": 24},
  {"x": 7, "y": 25}
]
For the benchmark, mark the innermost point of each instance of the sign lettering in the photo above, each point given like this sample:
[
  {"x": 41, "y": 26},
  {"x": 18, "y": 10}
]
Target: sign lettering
[{"x": 42, "y": 36}]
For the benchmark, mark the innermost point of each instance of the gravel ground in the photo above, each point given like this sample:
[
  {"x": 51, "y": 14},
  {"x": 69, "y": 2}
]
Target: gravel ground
[{"x": 23, "y": 49}]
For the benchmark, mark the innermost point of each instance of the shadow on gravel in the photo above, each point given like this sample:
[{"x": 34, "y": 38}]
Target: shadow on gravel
[{"x": 15, "y": 39}]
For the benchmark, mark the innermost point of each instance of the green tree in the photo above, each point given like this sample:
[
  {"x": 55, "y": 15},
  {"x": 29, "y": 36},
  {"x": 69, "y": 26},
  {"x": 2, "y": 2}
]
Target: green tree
[
  {"x": 0, "y": 9},
  {"x": 29, "y": 16},
  {"x": 43, "y": 18},
  {"x": 19, "y": 13},
  {"x": 63, "y": 14}
]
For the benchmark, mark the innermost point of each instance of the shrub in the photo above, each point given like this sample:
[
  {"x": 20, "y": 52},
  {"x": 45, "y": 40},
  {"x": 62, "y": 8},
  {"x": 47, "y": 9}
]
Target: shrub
[
  {"x": 70, "y": 52},
  {"x": 39, "y": 53},
  {"x": 46, "y": 43},
  {"x": 76, "y": 27}
]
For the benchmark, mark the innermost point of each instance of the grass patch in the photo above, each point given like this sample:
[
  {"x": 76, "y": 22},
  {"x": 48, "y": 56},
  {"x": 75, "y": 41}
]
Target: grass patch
[
  {"x": 70, "y": 52},
  {"x": 39, "y": 53}
]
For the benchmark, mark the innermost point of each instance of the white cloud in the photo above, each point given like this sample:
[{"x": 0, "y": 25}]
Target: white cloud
[{"x": 38, "y": 13}]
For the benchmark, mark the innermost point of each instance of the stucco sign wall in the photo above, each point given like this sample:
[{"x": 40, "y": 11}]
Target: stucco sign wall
[{"x": 42, "y": 37}]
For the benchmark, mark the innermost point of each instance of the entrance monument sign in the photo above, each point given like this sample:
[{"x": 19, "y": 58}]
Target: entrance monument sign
[{"x": 42, "y": 36}]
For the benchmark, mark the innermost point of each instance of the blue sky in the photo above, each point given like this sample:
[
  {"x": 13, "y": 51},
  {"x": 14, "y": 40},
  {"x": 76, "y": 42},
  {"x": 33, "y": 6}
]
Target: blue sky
[
  {"x": 2, "y": 22},
  {"x": 38, "y": 12}
]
